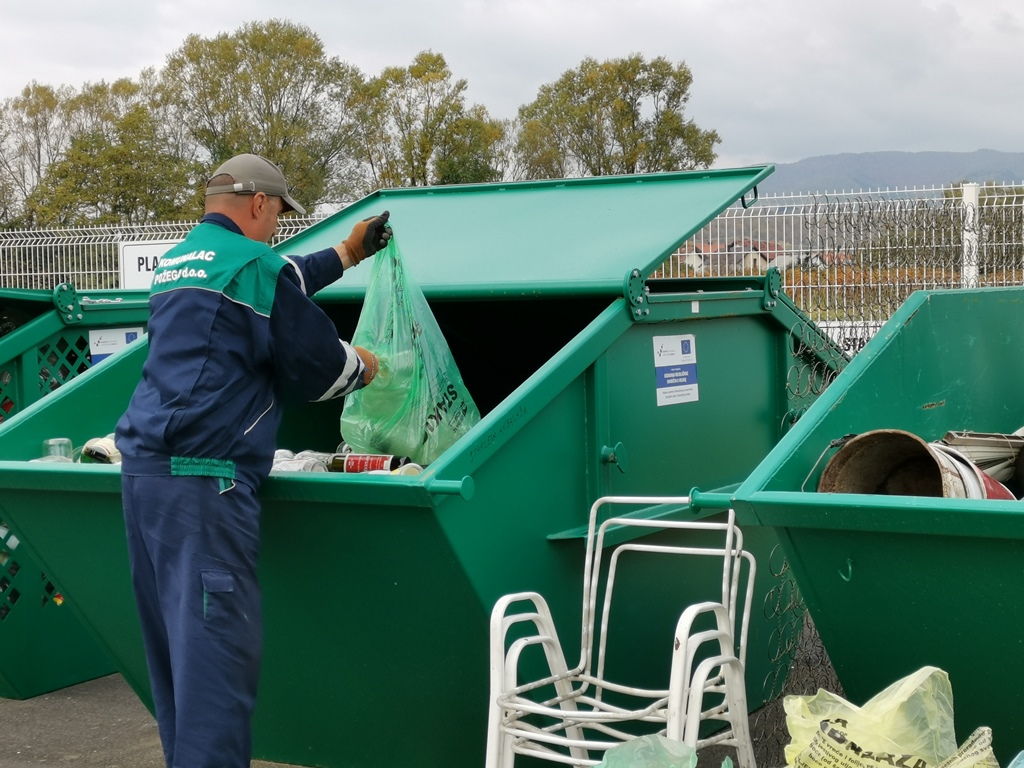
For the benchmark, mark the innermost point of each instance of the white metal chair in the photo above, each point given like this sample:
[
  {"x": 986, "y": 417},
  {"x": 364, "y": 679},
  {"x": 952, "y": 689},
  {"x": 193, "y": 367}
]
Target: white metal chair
[{"x": 573, "y": 715}]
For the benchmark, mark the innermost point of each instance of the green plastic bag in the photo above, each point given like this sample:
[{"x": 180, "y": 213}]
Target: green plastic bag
[
  {"x": 651, "y": 751},
  {"x": 418, "y": 405}
]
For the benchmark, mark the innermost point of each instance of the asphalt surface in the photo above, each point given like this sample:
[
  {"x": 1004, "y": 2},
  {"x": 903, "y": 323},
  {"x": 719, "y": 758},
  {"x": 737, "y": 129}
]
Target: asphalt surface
[
  {"x": 98, "y": 723},
  {"x": 103, "y": 723}
]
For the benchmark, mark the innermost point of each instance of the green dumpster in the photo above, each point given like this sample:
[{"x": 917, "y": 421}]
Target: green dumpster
[
  {"x": 47, "y": 339},
  {"x": 52, "y": 337},
  {"x": 19, "y": 305},
  {"x": 894, "y": 583},
  {"x": 377, "y": 589},
  {"x": 43, "y": 644}
]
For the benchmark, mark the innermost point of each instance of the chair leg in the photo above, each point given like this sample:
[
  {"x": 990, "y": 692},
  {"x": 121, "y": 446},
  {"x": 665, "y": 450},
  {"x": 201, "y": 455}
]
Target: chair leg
[
  {"x": 736, "y": 700},
  {"x": 504, "y": 663},
  {"x": 735, "y": 706},
  {"x": 499, "y": 752},
  {"x": 687, "y": 644}
]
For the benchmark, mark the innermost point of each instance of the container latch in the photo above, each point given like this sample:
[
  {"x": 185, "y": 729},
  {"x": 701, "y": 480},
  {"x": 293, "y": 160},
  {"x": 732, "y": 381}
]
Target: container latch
[
  {"x": 753, "y": 198},
  {"x": 615, "y": 454}
]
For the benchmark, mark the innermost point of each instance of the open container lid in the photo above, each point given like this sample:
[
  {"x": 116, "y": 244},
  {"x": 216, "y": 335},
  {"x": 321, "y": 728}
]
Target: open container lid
[{"x": 537, "y": 238}]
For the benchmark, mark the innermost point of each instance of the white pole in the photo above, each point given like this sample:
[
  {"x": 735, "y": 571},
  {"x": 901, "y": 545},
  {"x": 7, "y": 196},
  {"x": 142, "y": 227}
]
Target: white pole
[{"x": 969, "y": 261}]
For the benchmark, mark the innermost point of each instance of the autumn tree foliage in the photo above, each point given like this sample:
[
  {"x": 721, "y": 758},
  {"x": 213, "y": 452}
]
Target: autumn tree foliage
[{"x": 139, "y": 150}]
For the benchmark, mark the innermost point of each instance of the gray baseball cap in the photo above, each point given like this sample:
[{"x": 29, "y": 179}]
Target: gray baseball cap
[{"x": 253, "y": 174}]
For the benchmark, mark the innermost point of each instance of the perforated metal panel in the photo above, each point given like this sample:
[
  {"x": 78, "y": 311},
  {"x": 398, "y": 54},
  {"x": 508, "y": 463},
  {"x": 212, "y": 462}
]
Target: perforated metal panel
[
  {"x": 55, "y": 361},
  {"x": 9, "y": 570},
  {"x": 63, "y": 357},
  {"x": 34, "y": 583}
]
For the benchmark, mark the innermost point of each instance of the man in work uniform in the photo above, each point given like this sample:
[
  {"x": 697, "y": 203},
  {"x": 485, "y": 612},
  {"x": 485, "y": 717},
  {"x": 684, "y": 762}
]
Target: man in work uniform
[{"x": 232, "y": 331}]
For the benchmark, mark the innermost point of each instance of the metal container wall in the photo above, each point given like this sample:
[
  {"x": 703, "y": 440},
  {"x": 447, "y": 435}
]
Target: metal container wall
[
  {"x": 377, "y": 589},
  {"x": 19, "y": 305},
  {"x": 43, "y": 644},
  {"x": 895, "y": 583},
  {"x": 52, "y": 346}
]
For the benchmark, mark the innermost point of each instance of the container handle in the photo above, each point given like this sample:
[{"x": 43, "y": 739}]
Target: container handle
[
  {"x": 839, "y": 442},
  {"x": 701, "y": 500},
  {"x": 743, "y": 200},
  {"x": 464, "y": 487}
]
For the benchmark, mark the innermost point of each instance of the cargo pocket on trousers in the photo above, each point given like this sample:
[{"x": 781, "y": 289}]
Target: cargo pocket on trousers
[{"x": 218, "y": 597}]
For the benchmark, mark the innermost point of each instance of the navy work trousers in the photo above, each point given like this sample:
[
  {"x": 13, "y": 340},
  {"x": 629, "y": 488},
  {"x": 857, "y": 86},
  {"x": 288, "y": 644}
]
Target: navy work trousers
[{"x": 194, "y": 544}]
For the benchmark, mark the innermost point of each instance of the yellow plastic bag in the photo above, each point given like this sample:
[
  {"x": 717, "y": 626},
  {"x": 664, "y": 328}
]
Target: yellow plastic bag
[{"x": 908, "y": 725}]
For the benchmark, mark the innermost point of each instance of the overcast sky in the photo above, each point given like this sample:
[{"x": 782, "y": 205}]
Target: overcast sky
[{"x": 780, "y": 81}]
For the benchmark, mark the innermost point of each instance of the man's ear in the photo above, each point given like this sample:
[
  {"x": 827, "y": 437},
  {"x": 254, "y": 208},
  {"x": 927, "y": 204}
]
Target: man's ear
[{"x": 259, "y": 202}]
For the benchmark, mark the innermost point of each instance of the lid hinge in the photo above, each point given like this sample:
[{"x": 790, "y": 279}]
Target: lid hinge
[
  {"x": 65, "y": 300},
  {"x": 634, "y": 288}
]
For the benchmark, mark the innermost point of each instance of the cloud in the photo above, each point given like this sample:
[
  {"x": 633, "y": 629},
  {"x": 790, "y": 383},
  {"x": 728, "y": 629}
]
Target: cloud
[{"x": 778, "y": 81}]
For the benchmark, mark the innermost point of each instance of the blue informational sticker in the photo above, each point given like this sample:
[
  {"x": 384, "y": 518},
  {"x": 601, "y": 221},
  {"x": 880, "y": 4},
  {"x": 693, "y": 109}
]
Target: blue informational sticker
[
  {"x": 675, "y": 369},
  {"x": 105, "y": 342}
]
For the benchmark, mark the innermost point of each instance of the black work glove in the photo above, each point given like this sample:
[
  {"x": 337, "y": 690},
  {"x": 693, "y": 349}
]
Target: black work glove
[{"x": 368, "y": 236}]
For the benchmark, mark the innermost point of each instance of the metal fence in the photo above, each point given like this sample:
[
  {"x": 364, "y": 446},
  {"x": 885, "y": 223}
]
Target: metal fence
[
  {"x": 88, "y": 257},
  {"x": 847, "y": 259}
]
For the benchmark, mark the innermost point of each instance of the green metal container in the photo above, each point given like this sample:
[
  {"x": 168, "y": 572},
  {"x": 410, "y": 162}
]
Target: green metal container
[
  {"x": 19, "y": 305},
  {"x": 43, "y": 644},
  {"x": 377, "y": 589},
  {"x": 48, "y": 339},
  {"x": 894, "y": 583},
  {"x": 57, "y": 336}
]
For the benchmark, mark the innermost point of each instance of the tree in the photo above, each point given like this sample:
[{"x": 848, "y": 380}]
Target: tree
[
  {"x": 468, "y": 150},
  {"x": 120, "y": 166},
  {"x": 540, "y": 152},
  {"x": 618, "y": 116},
  {"x": 35, "y": 130},
  {"x": 9, "y": 203},
  {"x": 268, "y": 88},
  {"x": 415, "y": 128}
]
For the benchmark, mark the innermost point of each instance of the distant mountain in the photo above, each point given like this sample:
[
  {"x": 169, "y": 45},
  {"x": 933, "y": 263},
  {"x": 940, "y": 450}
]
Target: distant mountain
[{"x": 853, "y": 172}]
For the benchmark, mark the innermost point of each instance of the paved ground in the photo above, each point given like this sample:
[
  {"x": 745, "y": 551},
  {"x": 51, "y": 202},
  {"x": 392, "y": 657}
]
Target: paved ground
[
  {"x": 99, "y": 723},
  {"x": 103, "y": 723}
]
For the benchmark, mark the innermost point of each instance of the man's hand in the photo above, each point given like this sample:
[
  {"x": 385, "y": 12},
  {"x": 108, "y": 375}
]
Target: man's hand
[
  {"x": 368, "y": 236},
  {"x": 372, "y": 363}
]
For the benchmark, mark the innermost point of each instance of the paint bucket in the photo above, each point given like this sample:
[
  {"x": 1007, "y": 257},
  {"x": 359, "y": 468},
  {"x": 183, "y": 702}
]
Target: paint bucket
[
  {"x": 980, "y": 484},
  {"x": 897, "y": 463}
]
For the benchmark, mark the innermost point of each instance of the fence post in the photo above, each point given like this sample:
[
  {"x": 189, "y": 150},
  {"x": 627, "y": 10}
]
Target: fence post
[{"x": 969, "y": 260}]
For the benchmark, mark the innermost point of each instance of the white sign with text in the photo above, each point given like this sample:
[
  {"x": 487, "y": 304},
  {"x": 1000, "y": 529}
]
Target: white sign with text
[
  {"x": 675, "y": 369},
  {"x": 139, "y": 260}
]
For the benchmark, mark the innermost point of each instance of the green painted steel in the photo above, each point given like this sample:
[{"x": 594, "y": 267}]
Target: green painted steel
[
  {"x": 44, "y": 645},
  {"x": 377, "y": 589},
  {"x": 529, "y": 239},
  {"x": 52, "y": 347},
  {"x": 895, "y": 583}
]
